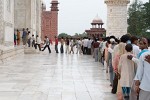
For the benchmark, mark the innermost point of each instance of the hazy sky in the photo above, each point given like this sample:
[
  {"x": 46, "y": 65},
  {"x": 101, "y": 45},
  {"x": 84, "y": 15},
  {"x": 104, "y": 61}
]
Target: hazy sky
[{"x": 76, "y": 15}]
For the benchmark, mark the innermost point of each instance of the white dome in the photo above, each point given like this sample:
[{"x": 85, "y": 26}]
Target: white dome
[{"x": 97, "y": 20}]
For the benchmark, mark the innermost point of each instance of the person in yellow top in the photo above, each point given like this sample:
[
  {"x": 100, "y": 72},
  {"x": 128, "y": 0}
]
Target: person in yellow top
[{"x": 18, "y": 37}]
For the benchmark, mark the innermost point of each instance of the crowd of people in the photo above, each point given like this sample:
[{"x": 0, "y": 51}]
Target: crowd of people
[
  {"x": 68, "y": 45},
  {"x": 126, "y": 60},
  {"x": 30, "y": 40}
]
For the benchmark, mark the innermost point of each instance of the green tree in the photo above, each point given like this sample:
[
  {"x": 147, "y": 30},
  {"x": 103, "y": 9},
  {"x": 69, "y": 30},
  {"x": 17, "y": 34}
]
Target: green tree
[
  {"x": 139, "y": 20},
  {"x": 64, "y": 35},
  {"x": 135, "y": 19},
  {"x": 147, "y": 15}
]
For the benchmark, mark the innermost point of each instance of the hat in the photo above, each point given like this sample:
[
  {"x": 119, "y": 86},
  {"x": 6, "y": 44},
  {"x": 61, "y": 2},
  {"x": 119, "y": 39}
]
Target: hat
[{"x": 112, "y": 40}]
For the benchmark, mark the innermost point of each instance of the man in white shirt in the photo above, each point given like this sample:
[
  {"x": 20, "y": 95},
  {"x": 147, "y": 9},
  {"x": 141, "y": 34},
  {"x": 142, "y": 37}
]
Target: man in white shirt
[
  {"x": 85, "y": 46},
  {"x": 33, "y": 41},
  {"x": 89, "y": 43},
  {"x": 38, "y": 42},
  {"x": 72, "y": 44},
  {"x": 79, "y": 43},
  {"x": 142, "y": 78},
  {"x": 47, "y": 43},
  {"x": 136, "y": 49}
]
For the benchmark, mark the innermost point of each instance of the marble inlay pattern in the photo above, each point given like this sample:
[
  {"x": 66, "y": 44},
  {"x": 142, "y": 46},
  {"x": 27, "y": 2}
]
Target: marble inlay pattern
[{"x": 53, "y": 76}]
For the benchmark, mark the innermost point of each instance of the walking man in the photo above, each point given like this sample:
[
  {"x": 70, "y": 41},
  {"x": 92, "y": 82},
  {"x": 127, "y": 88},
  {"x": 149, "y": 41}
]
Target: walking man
[{"x": 47, "y": 43}]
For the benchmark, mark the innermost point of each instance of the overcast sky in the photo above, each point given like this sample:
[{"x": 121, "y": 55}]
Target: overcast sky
[{"x": 75, "y": 16}]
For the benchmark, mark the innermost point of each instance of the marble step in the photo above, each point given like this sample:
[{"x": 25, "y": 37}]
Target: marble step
[{"x": 30, "y": 50}]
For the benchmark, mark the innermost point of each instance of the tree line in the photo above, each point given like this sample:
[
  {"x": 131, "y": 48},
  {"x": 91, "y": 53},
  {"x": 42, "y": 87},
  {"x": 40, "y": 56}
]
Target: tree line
[{"x": 76, "y": 35}]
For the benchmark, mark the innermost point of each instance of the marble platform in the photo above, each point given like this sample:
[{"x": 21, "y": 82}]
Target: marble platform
[
  {"x": 53, "y": 76},
  {"x": 30, "y": 50},
  {"x": 8, "y": 54}
]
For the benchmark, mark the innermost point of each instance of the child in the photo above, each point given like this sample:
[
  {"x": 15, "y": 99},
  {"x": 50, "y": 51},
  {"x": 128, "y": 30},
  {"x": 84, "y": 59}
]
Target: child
[{"x": 126, "y": 71}]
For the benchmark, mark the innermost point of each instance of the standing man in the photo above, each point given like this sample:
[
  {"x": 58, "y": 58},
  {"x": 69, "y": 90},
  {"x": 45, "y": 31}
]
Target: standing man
[
  {"x": 47, "y": 43},
  {"x": 67, "y": 44},
  {"x": 18, "y": 37},
  {"x": 24, "y": 37},
  {"x": 56, "y": 44},
  {"x": 96, "y": 46},
  {"x": 62, "y": 44},
  {"x": 38, "y": 42},
  {"x": 29, "y": 38},
  {"x": 72, "y": 45},
  {"x": 79, "y": 43},
  {"x": 136, "y": 49},
  {"x": 89, "y": 43},
  {"x": 85, "y": 45},
  {"x": 33, "y": 41},
  {"x": 142, "y": 79},
  {"x": 15, "y": 38}
]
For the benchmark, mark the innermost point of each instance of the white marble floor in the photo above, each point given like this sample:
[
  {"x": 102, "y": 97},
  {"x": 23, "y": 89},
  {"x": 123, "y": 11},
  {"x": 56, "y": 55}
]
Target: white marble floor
[{"x": 54, "y": 77}]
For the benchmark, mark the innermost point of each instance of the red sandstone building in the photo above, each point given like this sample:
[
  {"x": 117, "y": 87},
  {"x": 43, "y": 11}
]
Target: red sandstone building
[
  {"x": 50, "y": 20},
  {"x": 97, "y": 29}
]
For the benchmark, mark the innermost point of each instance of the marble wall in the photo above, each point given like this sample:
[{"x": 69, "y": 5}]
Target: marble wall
[
  {"x": 6, "y": 23},
  {"x": 28, "y": 15}
]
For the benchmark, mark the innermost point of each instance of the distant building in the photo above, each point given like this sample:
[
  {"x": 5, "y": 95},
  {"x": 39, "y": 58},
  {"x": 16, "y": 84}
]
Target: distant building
[
  {"x": 50, "y": 20},
  {"x": 97, "y": 29}
]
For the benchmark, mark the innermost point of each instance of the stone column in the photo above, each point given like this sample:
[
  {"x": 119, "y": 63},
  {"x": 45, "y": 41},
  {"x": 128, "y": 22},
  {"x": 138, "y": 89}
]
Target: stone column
[
  {"x": 116, "y": 17},
  {"x": 9, "y": 23},
  {"x": 38, "y": 17},
  {"x": 33, "y": 19},
  {"x": 1, "y": 22},
  {"x": 6, "y": 24}
]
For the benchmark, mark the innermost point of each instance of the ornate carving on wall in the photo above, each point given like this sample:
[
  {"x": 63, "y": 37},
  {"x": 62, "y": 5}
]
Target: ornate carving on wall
[
  {"x": 20, "y": 4},
  {"x": 8, "y": 24},
  {"x": 117, "y": 2}
]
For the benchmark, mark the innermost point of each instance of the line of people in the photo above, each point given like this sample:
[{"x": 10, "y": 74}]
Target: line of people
[
  {"x": 128, "y": 63},
  {"x": 83, "y": 46}
]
